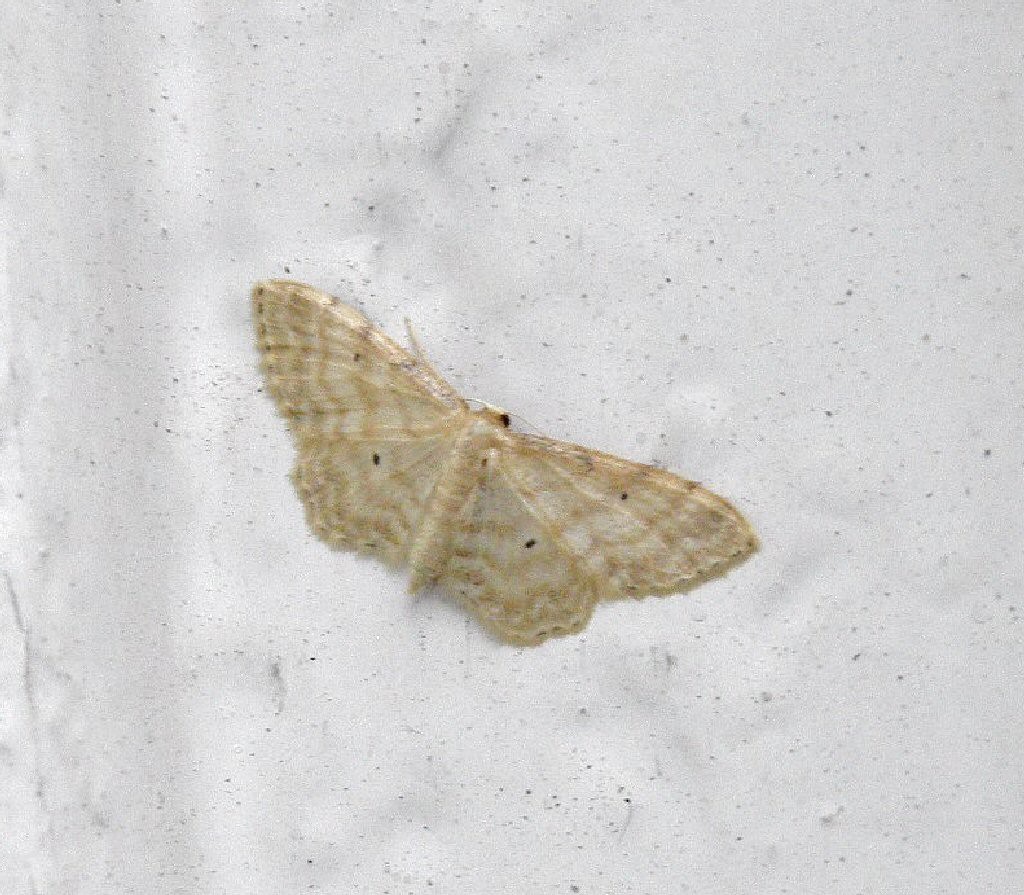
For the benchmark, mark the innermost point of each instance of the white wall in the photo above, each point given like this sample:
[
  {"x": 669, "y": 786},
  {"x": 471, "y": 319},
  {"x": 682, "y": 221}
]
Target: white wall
[{"x": 772, "y": 246}]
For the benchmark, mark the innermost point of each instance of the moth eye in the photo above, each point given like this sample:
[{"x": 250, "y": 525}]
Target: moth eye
[{"x": 506, "y": 421}]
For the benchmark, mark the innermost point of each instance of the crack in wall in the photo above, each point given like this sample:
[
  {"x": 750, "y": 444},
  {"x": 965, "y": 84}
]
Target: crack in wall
[{"x": 28, "y": 684}]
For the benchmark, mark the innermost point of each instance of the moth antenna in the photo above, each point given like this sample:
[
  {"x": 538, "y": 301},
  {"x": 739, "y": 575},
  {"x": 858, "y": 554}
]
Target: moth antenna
[
  {"x": 416, "y": 346},
  {"x": 530, "y": 427},
  {"x": 417, "y": 349}
]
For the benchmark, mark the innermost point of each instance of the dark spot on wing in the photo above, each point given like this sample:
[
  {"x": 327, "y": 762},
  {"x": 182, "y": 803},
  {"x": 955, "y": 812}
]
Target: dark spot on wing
[
  {"x": 623, "y": 496},
  {"x": 530, "y": 543},
  {"x": 506, "y": 420},
  {"x": 376, "y": 459},
  {"x": 356, "y": 357}
]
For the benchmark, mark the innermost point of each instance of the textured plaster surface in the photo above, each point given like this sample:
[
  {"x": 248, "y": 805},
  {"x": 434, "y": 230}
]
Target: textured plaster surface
[{"x": 775, "y": 247}]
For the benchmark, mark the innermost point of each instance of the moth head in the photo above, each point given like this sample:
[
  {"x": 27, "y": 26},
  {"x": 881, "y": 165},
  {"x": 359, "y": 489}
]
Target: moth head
[{"x": 495, "y": 415}]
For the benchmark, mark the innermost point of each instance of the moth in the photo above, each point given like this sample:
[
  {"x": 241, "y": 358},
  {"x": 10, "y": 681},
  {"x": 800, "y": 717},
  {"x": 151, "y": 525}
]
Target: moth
[{"x": 528, "y": 533}]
